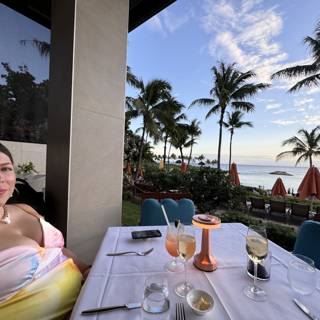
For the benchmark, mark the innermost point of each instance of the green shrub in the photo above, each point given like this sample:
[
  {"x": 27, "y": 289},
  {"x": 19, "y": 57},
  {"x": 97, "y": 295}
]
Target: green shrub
[
  {"x": 209, "y": 187},
  {"x": 26, "y": 168},
  {"x": 284, "y": 236}
]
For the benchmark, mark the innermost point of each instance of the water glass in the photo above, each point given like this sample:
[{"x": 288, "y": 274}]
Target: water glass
[
  {"x": 156, "y": 293},
  {"x": 302, "y": 275}
]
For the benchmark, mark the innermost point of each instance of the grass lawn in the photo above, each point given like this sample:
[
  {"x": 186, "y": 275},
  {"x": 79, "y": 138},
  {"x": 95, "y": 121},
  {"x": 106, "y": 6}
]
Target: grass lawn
[{"x": 130, "y": 213}]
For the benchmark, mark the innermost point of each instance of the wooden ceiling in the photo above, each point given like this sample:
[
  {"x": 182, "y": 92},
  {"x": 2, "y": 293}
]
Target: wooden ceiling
[{"x": 40, "y": 10}]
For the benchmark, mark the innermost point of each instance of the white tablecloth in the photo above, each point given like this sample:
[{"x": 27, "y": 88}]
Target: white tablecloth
[{"x": 118, "y": 280}]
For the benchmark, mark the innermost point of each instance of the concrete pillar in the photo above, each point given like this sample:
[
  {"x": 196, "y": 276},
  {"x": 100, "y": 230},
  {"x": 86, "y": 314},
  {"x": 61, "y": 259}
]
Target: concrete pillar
[{"x": 86, "y": 119}]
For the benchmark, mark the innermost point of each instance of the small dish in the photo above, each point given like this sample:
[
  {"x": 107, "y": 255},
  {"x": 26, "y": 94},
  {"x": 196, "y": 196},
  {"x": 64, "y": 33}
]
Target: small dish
[{"x": 201, "y": 302}]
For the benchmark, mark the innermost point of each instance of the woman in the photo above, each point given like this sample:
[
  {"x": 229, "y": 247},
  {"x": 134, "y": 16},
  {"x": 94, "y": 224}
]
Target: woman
[{"x": 39, "y": 278}]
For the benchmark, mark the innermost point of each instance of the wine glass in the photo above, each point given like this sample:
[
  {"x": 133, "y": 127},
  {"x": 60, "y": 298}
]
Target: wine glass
[
  {"x": 302, "y": 275},
  {"x": 172, "y": 247},
  {"x": 257, "y": 250},
  {"x": 186, "y": 249}
]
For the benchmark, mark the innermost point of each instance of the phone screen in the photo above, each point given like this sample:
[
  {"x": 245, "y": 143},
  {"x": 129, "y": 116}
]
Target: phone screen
[{"x": 145, "y": 234}]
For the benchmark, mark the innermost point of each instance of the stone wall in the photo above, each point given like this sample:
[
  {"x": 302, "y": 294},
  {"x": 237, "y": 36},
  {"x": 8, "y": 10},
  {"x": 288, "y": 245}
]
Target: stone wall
[{"x": 24, "y": 152}]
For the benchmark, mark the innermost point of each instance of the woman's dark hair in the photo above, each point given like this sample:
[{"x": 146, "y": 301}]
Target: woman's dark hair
[{"x": 6, "y": 151}]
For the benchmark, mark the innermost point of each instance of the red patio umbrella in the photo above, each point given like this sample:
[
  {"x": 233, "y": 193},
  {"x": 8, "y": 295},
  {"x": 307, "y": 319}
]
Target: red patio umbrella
[
  {"x": 183, "y": 167},
  {"x": 278, "y": 189},
  {"x": 234, "y": 175},
  {"x": 310, "y": 185}
]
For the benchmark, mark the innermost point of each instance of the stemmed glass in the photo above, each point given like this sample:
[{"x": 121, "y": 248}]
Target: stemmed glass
[
  {"x": 186, "y": 249},
  {"x": 257, "y": 250},
  {"x": 172, "y": 247},
  {"x": 302, "y": 275}
]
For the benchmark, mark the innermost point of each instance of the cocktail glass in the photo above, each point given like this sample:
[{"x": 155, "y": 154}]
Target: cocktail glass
[{"x": 175, "y": 265}]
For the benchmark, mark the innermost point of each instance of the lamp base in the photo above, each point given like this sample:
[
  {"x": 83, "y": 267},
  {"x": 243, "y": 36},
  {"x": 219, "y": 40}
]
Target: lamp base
[{"x": 205, "y": 262}]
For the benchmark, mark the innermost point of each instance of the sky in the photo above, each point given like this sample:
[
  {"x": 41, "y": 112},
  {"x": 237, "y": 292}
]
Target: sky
[
  {"x": 182, "y": 43},
  {"x": 15, "y": 27}
]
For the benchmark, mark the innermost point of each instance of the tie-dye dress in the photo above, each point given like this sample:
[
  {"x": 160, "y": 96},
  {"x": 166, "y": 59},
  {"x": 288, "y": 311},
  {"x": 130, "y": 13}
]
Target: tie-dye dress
[{"x": 38, "y": 284}]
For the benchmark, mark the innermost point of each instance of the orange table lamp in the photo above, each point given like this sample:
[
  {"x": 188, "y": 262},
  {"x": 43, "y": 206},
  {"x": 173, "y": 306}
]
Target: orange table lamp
[{"x": 204, "y": 260}]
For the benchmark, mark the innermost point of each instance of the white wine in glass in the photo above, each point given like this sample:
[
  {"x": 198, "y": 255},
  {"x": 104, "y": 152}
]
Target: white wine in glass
[
  {"x": 186, "y": 249},
  {"x": 257, "y": 250},
  {"x": 187, "y": 246}
]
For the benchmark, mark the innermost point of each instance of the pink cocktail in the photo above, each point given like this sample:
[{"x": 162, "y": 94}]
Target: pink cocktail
[{"x": 171, "y": 244}]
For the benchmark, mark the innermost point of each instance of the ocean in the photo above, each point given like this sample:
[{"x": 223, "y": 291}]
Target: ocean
[{"x": 255, "y": 176}]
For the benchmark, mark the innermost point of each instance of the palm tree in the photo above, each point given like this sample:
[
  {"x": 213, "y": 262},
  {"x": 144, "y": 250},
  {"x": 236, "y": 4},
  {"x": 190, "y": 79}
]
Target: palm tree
[
  {"x": 42, "y": 46},
  {"x": 194, "y": 132},
  {"x": 306, "y": 146},
  {"x": 311, "y": 71},
  {"x": 201, "y": 157},
  {"x": 234, "y": 122},
  {"x": 180, "y": 138},
  {"x": 168, "y": 116},
  {"x": 148, "y": 105},
  {"x": 173, "y": 156},
  {"x": 230, "y": 87}
]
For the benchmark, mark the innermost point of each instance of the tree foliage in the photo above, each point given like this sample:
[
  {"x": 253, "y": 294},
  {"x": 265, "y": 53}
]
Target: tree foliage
[
  {"x": 305, "y": 147},
  {"x": 23, "y": 106},
  {"x": 310, "y": 71},
  {"x": 231, "y": 87},
  {"x": 234, "y": 121}
]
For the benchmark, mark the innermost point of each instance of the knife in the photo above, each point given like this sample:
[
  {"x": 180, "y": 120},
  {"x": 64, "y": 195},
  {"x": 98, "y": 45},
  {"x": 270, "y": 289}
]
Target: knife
[
  {"x": 305, "y": 310},
  {"x": 127, "y": 306}
]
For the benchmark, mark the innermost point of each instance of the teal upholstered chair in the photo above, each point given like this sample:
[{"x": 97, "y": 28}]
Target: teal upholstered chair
[
  {"x": 151, "y": 212},
  {"x": 182, "y": 209},
  {"x": 308, "y": 241}
]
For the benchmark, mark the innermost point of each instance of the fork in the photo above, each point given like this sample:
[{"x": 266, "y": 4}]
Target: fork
[
  {"x": 180, "y": 313},
  {"x": 138, "y": 253}
]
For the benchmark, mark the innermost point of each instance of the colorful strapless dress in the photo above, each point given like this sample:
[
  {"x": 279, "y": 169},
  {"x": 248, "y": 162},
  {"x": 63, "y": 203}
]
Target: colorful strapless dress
[{"x": 38, "y": 284}]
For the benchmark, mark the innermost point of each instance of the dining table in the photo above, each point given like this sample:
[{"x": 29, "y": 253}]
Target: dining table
[{"x": 117, "y": 280}]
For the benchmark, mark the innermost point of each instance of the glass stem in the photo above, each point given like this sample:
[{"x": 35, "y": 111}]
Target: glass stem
[
  {"x": 185, "y": 273},
  {"x": 255, "y": 266},
  {"x": 174, "y": 262}
]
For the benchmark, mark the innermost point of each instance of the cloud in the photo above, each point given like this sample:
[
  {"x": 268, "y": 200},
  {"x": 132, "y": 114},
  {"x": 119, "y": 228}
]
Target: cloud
[
  {"x": 245, "y": 34},
  {"x": 302, "y": 102},
  {"x": 272, "y": 106},
  {"x": 227, "y": 40},
  {"x": 303, "y": 120},
  {"x": 279, "y": 111},
  {"x": 314, "y": 107},
  {"x": 155, "y": 24},
  {"x": 168, "y": 22},
  {"x": 248, "y": 4},
  {"x": 284, "y": 122},
  {"x": 173, "y": 21},
  {"x": 313, "y": 90},
  {"x": 261, "y": 28},
  {"x": 312, "y": 120}
]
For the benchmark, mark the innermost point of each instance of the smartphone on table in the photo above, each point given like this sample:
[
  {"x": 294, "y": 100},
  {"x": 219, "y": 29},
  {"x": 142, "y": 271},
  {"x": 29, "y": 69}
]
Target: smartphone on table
[{"x": 144, "y": 234}]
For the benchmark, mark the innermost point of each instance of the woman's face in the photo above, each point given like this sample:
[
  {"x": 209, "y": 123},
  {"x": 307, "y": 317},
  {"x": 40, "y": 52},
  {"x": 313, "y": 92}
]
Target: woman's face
[{"x": 7, "y": 179}]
